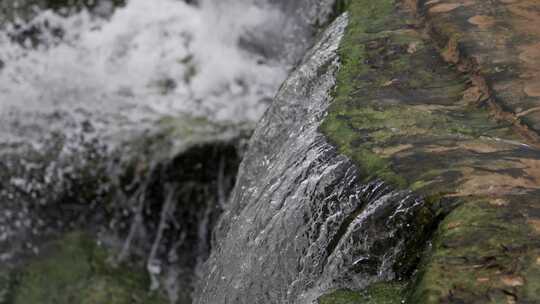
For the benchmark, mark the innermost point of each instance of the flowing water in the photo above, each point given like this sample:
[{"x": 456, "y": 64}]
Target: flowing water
[
  {"x": 301, "y": 222},
  {"x": 123, "y": 72},
  {"x": 130, "y": 118}
]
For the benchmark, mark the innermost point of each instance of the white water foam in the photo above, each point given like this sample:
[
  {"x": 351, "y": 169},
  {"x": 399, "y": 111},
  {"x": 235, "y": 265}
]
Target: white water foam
[{"x": 148, "y": 60}]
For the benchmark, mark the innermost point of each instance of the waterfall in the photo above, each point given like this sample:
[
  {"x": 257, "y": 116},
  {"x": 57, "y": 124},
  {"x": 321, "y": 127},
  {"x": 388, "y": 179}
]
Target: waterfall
[
  {"x": 300, "y": 221},
  {"x": 128, "y": 119}
]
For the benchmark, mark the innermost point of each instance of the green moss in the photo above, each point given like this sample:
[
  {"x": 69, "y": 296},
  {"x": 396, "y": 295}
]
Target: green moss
[
  {"x": 75, "y": 270},
  {"x": 365, "y": 17},
  {"x": 480, "y": 253},
  {"x": 377, "y": 167},
  {"x": 380, "y": 293},
  {"x": 394, "y": 89},
  {"x": 341, "y": 6},
  {"x": 375, "y": 55}
]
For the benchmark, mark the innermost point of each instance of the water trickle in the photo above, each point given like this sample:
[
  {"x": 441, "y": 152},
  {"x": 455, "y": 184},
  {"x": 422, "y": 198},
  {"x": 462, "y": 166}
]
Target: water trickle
[{"x": 165, "y": 219}]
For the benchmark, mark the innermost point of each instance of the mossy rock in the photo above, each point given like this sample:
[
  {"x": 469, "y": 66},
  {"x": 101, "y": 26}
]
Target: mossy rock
[
  {"x": 481, "y": 254},
  {"x": 379, "y": 293},
  {"x": 75, "y": 270},
  {"x": 403, "y": 114}
]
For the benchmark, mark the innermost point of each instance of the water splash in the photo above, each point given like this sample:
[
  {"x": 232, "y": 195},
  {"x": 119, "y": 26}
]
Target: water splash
[{"x": 149, "y": 59}]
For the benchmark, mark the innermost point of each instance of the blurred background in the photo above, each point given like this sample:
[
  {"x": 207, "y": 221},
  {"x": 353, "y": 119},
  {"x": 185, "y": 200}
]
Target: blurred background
[{"x": 127, "y": 120}]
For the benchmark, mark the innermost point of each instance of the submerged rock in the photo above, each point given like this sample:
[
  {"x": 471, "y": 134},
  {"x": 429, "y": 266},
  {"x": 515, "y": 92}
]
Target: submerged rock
[
  {"x": 25, "y": 8},
  {"x": 293, "y": 31}
]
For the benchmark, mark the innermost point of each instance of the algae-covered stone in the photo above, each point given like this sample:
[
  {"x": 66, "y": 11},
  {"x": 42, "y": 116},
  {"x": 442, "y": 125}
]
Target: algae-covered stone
[
  {"x": 75, "y": 270},
  {"x": 482, "y": 253},
  {"x": 407, "y": 116},
  {"x": 380, "y": 293}
]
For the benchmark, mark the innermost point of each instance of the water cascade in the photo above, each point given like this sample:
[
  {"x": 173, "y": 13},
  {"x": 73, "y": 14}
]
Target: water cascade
[
  {"x": 130, "y": 120},
  {"x": 300, "y": 221},
  {"x": 127, "y": 119}
]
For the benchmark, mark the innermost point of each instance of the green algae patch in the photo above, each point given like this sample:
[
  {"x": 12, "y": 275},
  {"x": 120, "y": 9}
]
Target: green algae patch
[
  {"x": 481, "y": 254},
  {"x": 379, "y": 293},
  {"x": 391, "y": 86},
  {"x": 75, "y": 270},
  {"x": 398, "y": 104}
]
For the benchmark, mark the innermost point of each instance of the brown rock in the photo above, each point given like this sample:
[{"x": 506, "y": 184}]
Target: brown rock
[
  {"x": 512, "y": 280},
  {"x": 482, "y": 21},
  {"x": 444, "y": 8}
]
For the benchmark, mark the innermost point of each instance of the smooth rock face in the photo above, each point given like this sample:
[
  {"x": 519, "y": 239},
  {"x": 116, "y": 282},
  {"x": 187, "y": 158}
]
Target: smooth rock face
[
  {"x": 299, "y": 221},
  {"x": 499, "y": 41}
]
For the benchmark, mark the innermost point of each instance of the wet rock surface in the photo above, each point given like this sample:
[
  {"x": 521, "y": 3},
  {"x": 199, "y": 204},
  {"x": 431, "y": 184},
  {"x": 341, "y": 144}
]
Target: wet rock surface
[
  {"x": 498, "y": 42},
  {"x": 407, "y": 116}
]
